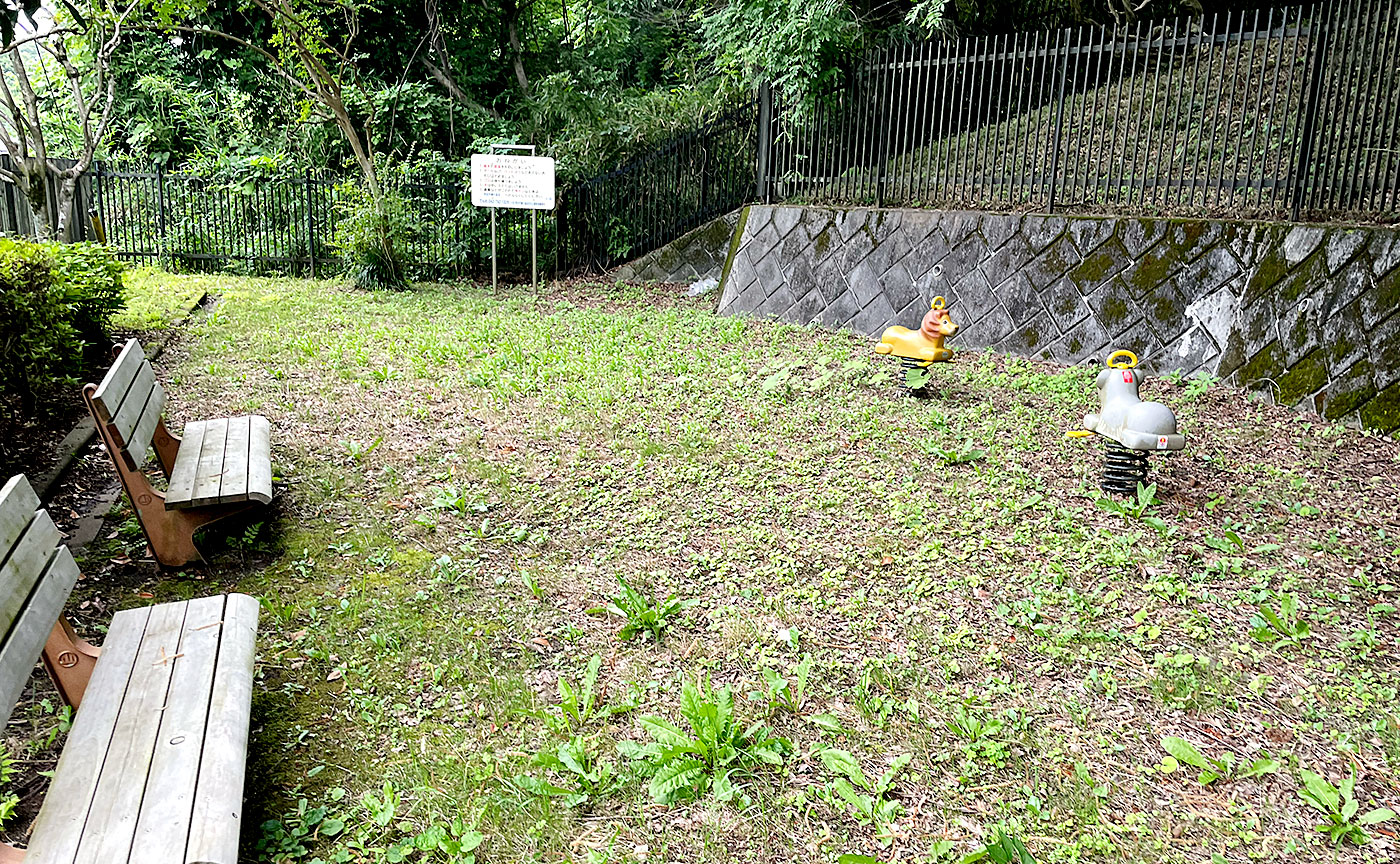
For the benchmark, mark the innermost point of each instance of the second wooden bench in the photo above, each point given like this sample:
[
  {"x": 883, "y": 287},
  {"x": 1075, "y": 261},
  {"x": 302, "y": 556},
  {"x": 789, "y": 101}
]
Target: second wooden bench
[{"x": 219, "y": 468}]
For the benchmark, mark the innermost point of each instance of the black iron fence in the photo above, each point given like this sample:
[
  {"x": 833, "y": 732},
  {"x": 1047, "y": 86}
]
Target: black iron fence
[
  {"x": 287, "y": 223},
  {"x": 1287, "y": 112},
  {"x": 654, "y": 199}
]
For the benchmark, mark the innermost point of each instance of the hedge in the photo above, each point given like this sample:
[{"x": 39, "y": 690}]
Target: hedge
[{"x": 55, "y": 300}]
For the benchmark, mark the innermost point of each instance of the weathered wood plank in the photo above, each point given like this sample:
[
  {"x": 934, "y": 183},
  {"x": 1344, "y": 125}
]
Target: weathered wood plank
[
  {"x": 181, "y": 488},
  {"x": 218, "y": 805},
  {"x": 111, "y": 821},
  {"x": 125, "y": 417},
  {"x": 21, "y": 571},
  {"x": 17, "y": 505},
  {"x": 259, "y": 459},
  {"x": 209, "y": 473},
  {"x": 117, "y": 381},
  {"x": 25, "y": 641},
  {"x": 58, "y": 828},
  {"x": 234, "y": 487},
  {"x": 163, "y": 827},
  {"x": 139, "y": 447}
]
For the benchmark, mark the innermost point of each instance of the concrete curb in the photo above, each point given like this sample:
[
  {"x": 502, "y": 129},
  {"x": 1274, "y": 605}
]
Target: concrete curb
[{"x": 83, "y": 433}]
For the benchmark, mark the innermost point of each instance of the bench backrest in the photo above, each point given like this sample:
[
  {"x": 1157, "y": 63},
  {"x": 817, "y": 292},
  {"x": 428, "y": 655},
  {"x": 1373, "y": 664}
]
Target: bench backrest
[
  {"x": 130, "y": 401},
  {"x": 37, "y": 573}
]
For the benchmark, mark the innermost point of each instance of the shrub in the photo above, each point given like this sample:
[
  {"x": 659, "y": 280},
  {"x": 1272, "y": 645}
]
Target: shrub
[
  {"x": 54, "y": 300},
  {"x": 90, "y": 278},
  {"x": 373, "y": 237}
]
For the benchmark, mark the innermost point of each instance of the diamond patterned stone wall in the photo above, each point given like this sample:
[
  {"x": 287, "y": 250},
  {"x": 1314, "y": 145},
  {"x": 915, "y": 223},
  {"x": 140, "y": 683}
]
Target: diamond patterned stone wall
[
  {"x": 1306, "y": 312},
  {"x": 697, "y": 255}
]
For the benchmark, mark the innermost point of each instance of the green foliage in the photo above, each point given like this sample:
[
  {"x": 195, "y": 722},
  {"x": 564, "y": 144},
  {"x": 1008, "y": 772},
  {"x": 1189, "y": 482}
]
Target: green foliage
[
  {"x": 712, "y": 756},
  {"x": 1226, "y": 767},
  {"x": 589, "y": 777},
  {"x": 1136, "y": 508},
  {"x": 373, "y": 238},
  {"x": 8, "y": 799},
  {"x": 788, "y": 694},
  {"x": 1005, "y": 849},
  {"x": 795, "y": 45},
  {"x": 1339, "y": 805},
  {"x": 89, "y": 277},
  {"x": 375, "y": 830},
  {"x": 957, "y": 455},
  {"x": 646, "y": 616},
  {"x": 54, "y": 300},
  {"x": 1286, "y": 626},
  {"x": 577, "y": 705},
  {"x": 865, "y": 800}
]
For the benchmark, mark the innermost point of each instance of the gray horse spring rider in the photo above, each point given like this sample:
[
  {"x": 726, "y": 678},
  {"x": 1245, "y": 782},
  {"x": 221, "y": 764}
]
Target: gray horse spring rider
[{"x": 1132, "y": 428}]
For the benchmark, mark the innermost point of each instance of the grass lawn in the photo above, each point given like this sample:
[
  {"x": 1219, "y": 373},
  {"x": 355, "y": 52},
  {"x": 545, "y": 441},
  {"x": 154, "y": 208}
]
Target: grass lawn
[
  {"x": 155, "y": 300},
  {"x": 862, "y": 623}
]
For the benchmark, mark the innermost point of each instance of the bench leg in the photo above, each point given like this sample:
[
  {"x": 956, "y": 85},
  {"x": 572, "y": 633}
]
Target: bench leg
[
  {"x": 10, "y": 855},
  {"x": 70, "y": 662},
  {"x": 171, "y": 532}
]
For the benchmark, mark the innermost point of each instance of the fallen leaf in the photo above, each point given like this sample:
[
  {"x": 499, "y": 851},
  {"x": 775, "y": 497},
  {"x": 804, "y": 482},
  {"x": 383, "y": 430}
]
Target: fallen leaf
[
  {"x": 335, "y": 675},
  {"x": 887, "y": 560}
]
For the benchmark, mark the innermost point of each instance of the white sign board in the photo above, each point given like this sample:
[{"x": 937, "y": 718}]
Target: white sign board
[{"x": 519, "y": 182}]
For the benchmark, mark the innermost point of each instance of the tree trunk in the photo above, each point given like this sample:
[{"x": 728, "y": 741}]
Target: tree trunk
[
  {"x": 36, "y": 192},
  {"x": 513, "y": 34},
  {"x": 67, "y": 191}
]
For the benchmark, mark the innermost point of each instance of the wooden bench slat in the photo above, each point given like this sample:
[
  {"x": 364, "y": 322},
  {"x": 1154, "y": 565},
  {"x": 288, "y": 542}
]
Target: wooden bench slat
[
  {"x": 139, "y": 447},
  {"x": 26, "y": 563},
  {"x": 125, "y": 418},
  {"x": 181, "y": 488},
  {"x": 163, "y": 827},
  {"x": 111, "y": 821},
  {"x": 59, "y": 826},
  {"x": 218, "y": 804},
  {"x": 260, "y": 459},
  {"x": 208, "y": 473},
  {"x": 25, "y": 641},
  {"x": 17, "y": 505},
  {"x": 117, "y": 381},
  {"x": 233, "y": 486}
]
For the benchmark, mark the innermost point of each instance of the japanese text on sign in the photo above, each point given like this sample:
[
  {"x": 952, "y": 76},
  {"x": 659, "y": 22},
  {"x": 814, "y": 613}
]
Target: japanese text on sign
[{"x": 519, "y": 182}]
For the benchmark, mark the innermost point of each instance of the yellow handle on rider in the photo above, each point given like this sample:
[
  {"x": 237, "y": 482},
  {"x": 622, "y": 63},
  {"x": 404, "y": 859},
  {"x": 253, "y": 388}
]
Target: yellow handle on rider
[
  {"x": 1131, "y": 364},
  {"x": 1079, "y": 433},
  {"x": 938, "y": 303}
]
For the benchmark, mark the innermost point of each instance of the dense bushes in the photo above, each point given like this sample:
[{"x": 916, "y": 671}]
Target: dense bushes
[
  {"x": 372, "y": 238},
  {"x": 54, "y": 300}
]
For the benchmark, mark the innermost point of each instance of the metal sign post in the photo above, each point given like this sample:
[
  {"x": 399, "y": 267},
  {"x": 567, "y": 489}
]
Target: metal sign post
[{"x": 517, "y": 182}]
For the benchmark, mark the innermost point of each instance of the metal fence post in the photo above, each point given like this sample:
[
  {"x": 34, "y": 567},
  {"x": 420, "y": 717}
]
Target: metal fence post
[
  {"x": 160, "y": 215},
  {"x": 310, "y": 226},
  {"x": 1059, "y": 125},
  {"x": 765, "y": 140},
  {"x": 1302, "y": 163}
]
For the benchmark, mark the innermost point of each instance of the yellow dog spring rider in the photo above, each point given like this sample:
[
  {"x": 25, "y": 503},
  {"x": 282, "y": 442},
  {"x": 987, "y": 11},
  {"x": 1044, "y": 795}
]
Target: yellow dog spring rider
[{"x": 924, "y": 345}]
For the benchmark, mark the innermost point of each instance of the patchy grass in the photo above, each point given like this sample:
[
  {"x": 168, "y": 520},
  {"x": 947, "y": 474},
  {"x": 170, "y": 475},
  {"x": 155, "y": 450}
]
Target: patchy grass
[
  {"x": 155, "y": 300},
  {"x": 861, "y": 647}
]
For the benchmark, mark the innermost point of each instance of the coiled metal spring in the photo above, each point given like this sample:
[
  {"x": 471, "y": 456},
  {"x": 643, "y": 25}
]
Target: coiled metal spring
[{"x": 1123, "y": 469}]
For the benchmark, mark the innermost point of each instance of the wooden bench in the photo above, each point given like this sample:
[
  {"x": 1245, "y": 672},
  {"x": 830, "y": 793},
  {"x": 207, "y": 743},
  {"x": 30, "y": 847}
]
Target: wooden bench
[
  {"x": 219, "y": 468},
  {"x": 152, "y": 771}
]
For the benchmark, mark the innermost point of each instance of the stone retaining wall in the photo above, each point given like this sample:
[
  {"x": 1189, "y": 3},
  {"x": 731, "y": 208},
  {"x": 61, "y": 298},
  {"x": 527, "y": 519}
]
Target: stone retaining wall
[
  {"x": 1305, "y": 311},
  {"x": 695, "y": 256}
]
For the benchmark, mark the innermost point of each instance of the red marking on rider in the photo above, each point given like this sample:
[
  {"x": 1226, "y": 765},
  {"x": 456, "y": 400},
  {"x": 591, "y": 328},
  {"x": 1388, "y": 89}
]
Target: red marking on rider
[{"x": 1127, "y": 377}]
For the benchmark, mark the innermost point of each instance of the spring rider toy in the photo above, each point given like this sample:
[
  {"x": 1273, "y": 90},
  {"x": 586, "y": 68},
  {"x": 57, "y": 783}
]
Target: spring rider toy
[
  {"x": 1131, "y": 428},
  {"x": 917, "y": 349}
]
